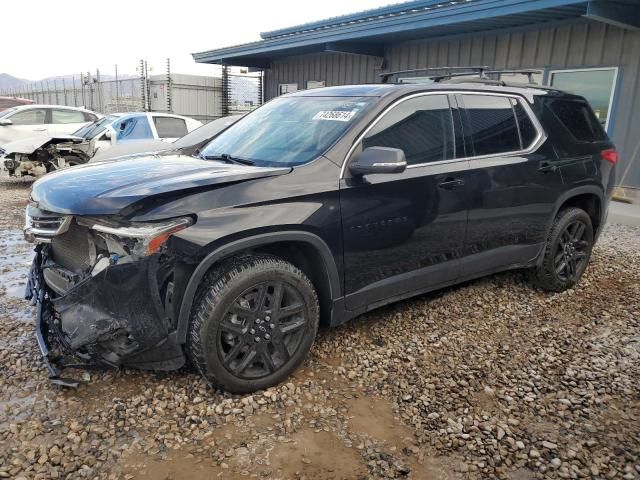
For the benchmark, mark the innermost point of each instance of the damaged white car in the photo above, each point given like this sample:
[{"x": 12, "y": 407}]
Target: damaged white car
[{"x": 41, "y": 154}]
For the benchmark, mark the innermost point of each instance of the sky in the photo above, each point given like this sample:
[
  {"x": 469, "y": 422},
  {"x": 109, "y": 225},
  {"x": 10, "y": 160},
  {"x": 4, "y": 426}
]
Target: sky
[{"x": 62, "y": 37}]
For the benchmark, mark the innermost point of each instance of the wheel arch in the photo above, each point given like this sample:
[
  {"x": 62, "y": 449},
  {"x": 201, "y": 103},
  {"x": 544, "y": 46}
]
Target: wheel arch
[
  {"x": 590, "y": 198},
  {"x": 326, "y": 280}
]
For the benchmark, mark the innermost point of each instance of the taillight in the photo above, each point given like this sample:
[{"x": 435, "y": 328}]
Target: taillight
[{"x": 610, "y": 155}]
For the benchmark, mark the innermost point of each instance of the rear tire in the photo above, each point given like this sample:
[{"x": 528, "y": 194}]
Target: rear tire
[
  {"x": 253, "y": 323},
  {"x": 567, "y": 251}
]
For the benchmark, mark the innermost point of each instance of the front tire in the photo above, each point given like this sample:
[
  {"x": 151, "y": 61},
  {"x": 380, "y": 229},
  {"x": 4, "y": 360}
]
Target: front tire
[
  {"x": 253, "y": 323},
  {"x": 567, "y": 251}
]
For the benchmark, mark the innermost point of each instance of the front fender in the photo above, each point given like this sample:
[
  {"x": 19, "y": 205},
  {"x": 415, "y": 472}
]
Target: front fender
[{"x": 229, "y": 249}]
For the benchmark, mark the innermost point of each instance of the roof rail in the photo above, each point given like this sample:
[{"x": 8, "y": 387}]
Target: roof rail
[
  {"x": 458, "y": 70},
  {"x": 450, "y": 73}
]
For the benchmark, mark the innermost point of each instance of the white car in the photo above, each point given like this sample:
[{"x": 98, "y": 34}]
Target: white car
[
  {"x": 150, "y": 125},
  {"x": 42, "y": 120},
  {"x": 37, "y": 154}
]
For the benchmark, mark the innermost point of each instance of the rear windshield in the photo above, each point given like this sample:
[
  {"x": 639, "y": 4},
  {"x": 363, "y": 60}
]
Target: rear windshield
[
  {"x": 289, "y": 131},
  {"x": 579, "y": 119}
]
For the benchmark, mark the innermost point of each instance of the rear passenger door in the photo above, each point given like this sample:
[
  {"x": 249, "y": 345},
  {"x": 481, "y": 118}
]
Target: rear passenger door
[
  {"x": 404, "y": 233},
  {"x": 513, "y": 190}
]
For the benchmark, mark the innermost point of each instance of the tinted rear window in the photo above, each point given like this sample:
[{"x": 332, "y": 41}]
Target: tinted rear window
[
  {"x": 492, "y": 123},
  {"x": 169, "y": 127},
  {"x": 579, "y": 119}
]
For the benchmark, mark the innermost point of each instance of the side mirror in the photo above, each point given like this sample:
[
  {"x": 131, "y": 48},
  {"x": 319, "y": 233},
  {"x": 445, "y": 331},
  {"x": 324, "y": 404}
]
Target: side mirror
[
  {"x": 5, "y": 122},
  {"x": 107, "y": 134},
  {"x": 379, "y": 160}
]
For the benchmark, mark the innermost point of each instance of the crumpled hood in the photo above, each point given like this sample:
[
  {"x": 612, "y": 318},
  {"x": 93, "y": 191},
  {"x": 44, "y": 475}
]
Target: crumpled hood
[
  {"x": 31, "y": 144},
  {"x": 107, "y": 188}
]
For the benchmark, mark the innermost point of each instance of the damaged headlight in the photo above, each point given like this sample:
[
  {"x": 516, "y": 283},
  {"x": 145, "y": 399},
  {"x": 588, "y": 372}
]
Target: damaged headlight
[{"x": 142, "y": 239}]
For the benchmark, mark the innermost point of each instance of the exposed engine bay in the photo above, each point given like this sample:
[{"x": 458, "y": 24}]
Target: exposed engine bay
[{"x": 38, "y": 156}]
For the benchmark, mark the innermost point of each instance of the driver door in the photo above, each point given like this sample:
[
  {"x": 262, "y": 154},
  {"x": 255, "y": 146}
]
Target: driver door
[{"x": 404, "y": 232}]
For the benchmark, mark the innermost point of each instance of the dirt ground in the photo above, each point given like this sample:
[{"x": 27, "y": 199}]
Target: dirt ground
[{"x": 491, "y": 379}]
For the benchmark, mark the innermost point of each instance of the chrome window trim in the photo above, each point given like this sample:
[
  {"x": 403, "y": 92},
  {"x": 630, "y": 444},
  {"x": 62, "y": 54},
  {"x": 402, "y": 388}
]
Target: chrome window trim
[{"x": 537, "y": 142}]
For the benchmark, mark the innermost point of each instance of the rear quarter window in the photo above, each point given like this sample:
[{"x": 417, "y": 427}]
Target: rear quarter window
[
  {"x": 578, "y": 118},
  {"x": 169, "y": 127}
]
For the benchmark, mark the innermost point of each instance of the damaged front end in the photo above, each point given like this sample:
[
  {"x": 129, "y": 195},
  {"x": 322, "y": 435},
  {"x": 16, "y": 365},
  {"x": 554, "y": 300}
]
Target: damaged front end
[
  {"x": 104, "y": 292},
  {"x": 39, "y": 155}
]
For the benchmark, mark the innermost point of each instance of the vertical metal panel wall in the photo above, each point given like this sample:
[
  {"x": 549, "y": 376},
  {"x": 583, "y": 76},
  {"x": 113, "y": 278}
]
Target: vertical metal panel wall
[{"x": 584, "y": 44}]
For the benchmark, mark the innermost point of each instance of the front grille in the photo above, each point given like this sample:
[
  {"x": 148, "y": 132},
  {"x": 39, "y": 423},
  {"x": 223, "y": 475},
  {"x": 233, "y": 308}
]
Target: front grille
[
  {"x": 71, "y": 249},
  {"x": 42, "y": 226}
]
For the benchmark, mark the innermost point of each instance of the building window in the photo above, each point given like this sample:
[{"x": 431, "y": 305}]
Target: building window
[
  {"x": 311, "y": 84},
  {"x": 597, "y": 85},
  {"x": 287, "y": 88}
]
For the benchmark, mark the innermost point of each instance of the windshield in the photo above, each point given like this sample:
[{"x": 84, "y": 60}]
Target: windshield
[
  {"x": 288, "y": 131},
  {"x": 96, "y": 128},
  {"x": 7, "y": 112}
]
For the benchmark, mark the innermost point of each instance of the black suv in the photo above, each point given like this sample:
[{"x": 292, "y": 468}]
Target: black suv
[{"x": 313, "y": 209}]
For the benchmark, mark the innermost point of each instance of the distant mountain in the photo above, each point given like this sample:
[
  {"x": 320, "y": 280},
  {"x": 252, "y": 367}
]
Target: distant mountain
[{"x": 9, "y": 81}]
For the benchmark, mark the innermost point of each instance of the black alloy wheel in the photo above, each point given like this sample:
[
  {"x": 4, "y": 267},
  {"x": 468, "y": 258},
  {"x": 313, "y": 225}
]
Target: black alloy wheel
[
  {"x": 262, "y": 329},
  {"x": 572, "y": 251},
  {"x": 253, "y": 322},
  {"x": 566, "y": 252}
]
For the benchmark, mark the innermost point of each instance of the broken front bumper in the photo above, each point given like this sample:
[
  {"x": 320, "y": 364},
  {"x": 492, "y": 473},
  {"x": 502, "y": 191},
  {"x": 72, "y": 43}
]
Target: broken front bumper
[{"x": 115, "y": 318}]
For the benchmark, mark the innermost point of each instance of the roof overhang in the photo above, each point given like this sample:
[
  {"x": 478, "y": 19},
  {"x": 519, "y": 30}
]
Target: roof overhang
[{"x": 366, "y": 33}]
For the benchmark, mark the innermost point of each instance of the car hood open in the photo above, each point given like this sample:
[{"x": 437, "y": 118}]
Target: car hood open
[{"x": 107, "y": 188}]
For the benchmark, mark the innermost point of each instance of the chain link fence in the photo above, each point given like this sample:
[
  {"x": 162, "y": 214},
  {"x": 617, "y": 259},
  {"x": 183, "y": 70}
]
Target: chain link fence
[
  {"x": 242, "y": 93},
  {"x": 199, "y": 97}
]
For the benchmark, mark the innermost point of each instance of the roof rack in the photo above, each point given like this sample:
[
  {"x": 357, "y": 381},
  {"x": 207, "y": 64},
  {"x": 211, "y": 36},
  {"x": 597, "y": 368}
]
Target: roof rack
[
  {"x": 450, "y": 73},
  {"x": 457, "y": 71}
]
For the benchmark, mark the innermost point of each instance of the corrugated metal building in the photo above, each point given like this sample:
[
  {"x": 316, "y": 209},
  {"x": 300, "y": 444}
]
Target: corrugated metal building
[{"x": 589, "y": 47}]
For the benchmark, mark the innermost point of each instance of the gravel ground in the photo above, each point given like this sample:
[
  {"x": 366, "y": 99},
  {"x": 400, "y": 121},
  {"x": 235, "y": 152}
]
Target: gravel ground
[{"x": 491, "y": 379}]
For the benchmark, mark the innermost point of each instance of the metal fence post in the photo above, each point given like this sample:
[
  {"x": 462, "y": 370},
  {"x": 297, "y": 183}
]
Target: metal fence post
[
  {"x": 142, "y": 86},
  {"x": 226, "y": 93},
  {"x": 117, "y": 91},
  {"x": 169, "y": 107}
]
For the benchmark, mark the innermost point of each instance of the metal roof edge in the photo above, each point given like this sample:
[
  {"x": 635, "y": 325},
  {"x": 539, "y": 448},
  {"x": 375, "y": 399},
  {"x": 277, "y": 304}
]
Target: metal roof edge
[
  {"x": 361, "y": 15},
  {"x": 467, "y": 11}
]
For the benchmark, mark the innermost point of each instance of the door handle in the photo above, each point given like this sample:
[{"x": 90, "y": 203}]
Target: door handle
[
  {"x": 450, "y": 183},
  {"x": 39, "y": 129},
  {"x": 546, "y": 167}
]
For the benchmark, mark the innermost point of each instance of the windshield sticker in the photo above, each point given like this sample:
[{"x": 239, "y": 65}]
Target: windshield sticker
[{"x": 338, "y": 115}]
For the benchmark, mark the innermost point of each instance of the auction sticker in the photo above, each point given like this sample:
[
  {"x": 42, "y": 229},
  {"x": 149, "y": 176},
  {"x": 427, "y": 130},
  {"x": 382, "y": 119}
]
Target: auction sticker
[{"x": 338, "y": 115}]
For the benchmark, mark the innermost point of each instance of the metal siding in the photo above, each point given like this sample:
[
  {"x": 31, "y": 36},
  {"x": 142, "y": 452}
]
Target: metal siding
[{"x": 572, "y": 45}]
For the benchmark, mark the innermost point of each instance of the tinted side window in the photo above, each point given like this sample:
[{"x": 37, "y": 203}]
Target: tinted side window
[
  {"x": 492, "y": 124},
  {"x": 169, "y": 127},
  {"x": 35, "y": 116},
  {"x": 59, "y": 116},
  {"x": 579, "y": 119},
  {"x": 422, "y": 127},
  {"x": 528, "y": 131}
]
